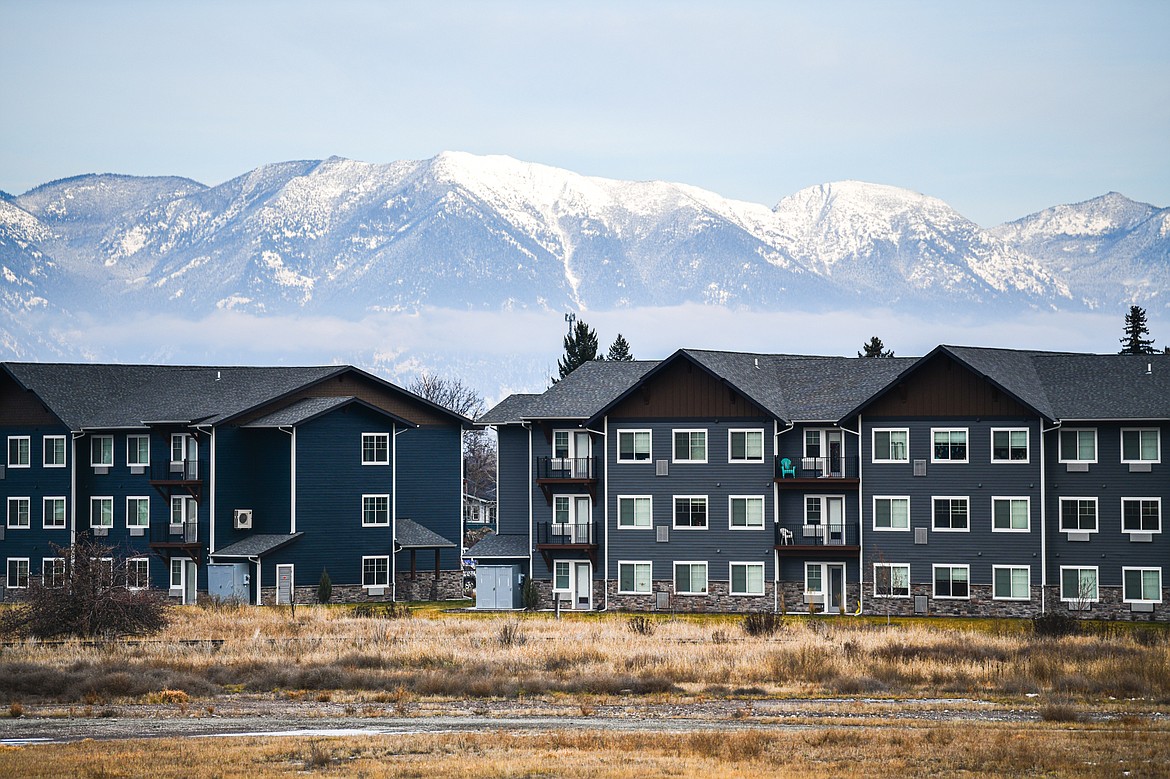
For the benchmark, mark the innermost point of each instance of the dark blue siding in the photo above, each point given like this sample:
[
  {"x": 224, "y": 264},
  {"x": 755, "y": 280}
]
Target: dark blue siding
[
  {"x": 430, "y": 491},
  {"x": 515, "y": 469}
]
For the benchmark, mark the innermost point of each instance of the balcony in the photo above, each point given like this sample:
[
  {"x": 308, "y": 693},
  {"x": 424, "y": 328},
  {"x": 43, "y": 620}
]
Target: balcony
[
  {"x": 181, "y": 540},
  {"x": 180, "y": 475},
  {"x": 566, "y": 471},
  {"x": 566, "y": 537},
  {"x": 822, "y": 540},
  {"x": 813, "y": 472}
]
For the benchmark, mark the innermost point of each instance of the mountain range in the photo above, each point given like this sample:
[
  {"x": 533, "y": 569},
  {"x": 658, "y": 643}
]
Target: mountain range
[{"x": 460, "y": 231}]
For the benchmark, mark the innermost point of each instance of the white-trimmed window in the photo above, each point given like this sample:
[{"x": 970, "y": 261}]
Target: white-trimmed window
[
  {"x": 184, "y": 510},
  {"x": 1078, "y": 585},
  {"x": 1011, "y": 582},
  {"x": 690, "y": 512},
  {"x": 376, "y": 571},
  {"x": 375, "y": 510},
  {"x": 952, "y": 581},
  {"x": 1078, "y": 515},
  {"x": 138, "y": 450},
  {"x": 19, "y": 513},
  {"x": 951, "y": 513},
  {"x": 814, "y": 580},
  {"x": 635, "y": 511},
  {"x": 137, "y": 573},
  {"x": 690, "y": 578},
  {"x": 891, "y": 580},
  {"x": 634, "y": 578},
  {"x": 101, "y": 451},
  {"x": 745, "y": 446},
  {"x": 562, "y": 581},
  {"x": 747, "y": 578},
  {"x": 53, "y": 571},
  {"x": 1140, "y": 445},
  {"x": 1011, "y": 515},
  {"x": 138, "y": 511},
  {"x": 1078, "y": 445},
  {"x": 1009, "y": 445},
  {"x": 178, "y": 573},
  {"x": 53, "y": 451},
  {"x": 948, "y": 445},
  {"x": 375, "y": 448},
  {"x": 746, "y": 512},
  {"x": 891, "y": 445},
  {"x": 53, "y": 513},
  {"x": 18, "y": 451},
  {"x": 1141, "y": 515},
  {"x": 634, "y": 446},
  {"x": 891, "y": 512},
  {"x": 101, "y": 512},
  {"x": 690, "y": 446},
  {"x": 17, "y": 573},
  {"x": 180, "y": 448},
  {"x": 1141, "y": 585}
]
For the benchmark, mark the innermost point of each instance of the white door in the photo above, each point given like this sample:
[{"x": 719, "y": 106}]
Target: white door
[
  {"x": 582, "y": 586},
  {"x": 190, "y": 594},
  {"x": 284, "y": 585},
  {"x": 582, "y": 463},
  {"x": 582, "y": 520},
  {"x": 835, "y": 510}
]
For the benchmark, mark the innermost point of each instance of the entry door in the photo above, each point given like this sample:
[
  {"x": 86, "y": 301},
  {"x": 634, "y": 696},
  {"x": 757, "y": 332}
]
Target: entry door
[
  {"x": 835, "y": 511},
  {"x": 835, "y": 594},
  {"x": 284, "y": 584},
  {"x": 834, "y": 450},
  {"x": 582, "y": 519},
  {"x": 582, "y": 586},
  {"x": 580, "y": 455}
]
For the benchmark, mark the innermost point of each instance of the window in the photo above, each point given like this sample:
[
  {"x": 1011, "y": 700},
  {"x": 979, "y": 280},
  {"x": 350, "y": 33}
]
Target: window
[
  {"x": 179, "y": 447},
  {"x": 950, "y": 446},
  {"x": 137, "y": 450},
  {"x": 891, "y": 446},
  {"x": 1078, "y": 585},
  {"x": 53, "y": 571},
  {"x": 561, "y": 580},
  {"x": 560, "y": 442},
  {"x": 633, "y": 578},
  {"x": 1140, "y": 446},
  {"x": 891, "y": 513},
  {"x": 891, "y": 580},
  {"x": 745, "y": 446},
  {"x": 375, "y": 510},
  {"x": 690, "y": 578},
  {"x": 53, "y": 513},
  {"x": 101, "y": 512},
  {"x": 813, "y": 579},
  {"x": 138, "y": 511},
  {"x": 18, "y": 448},
  {"x": 1141, "y": 585},
  {"x": 375, "y": 448},
  {"x": 1078, "y": 515},
  {"x": 1011, "y": 583},
  {"x": 1009, "y": 446},
  {"x": 690, "y": 446},
  {"x": 1141, "y": 515},
  {"x": 18, "y": 512},
  {"x": 951, "y": 581},
  {"x": 634, "y": 511},
  {"x": 747, "y": 578},
  {"x": 137, "y": 573},
  {"x": 690, "y": 512},
  {"x": 184, "y": 509},
  {"x": 54, "y": 451},
  {"x": 1078, "y": 446},
  {"x": 178, "y": 573},
  {"x": 951, "y": 513},
  {"x": 101, "y": 451},
  {"x": 1010, "y": 515},
  {"x": 747, "y": 512},
  {"x": 633, "y": 446},
  {"x": 17, "y": 573},
  {"x": 376, "y": 571}
]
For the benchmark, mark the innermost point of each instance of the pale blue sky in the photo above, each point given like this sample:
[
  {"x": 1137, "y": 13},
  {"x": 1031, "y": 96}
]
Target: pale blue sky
[{"x": 999, "y": 108}]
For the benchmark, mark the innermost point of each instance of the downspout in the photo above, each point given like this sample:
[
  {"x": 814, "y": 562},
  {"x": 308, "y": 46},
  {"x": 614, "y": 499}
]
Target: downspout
[
  {"x": 256, "y": 560},
  {"x": 531, "y": 465},
  {"x": 860, "y": 522},
  {"x": 462, "y": 504},
  {"x": 605, "y": 514},
  {"x": 77, "y": 436},
  {"x": 211, "y": 500},
  {"x": 776, "y": 433},
  {"x": 394, "y": 433},
  {"x": 292, "y": 479},
  {"x": 1044, "y": 519}
]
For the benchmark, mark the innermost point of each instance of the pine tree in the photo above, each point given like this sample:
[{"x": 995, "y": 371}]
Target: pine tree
[
  {"x": 875, "y": 348},
  {"x": 619, "y": 350},
  {"x": 1136, "y": 328},
  {"x": 580, "y": 347}
]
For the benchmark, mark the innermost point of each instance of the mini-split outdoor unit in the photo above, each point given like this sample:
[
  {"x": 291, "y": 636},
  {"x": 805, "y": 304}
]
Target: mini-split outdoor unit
[{"x": 243, "y": 519}]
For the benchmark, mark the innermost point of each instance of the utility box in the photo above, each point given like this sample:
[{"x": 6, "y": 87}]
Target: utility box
[
  {"x": 229, "y": 581},
  {"x": 498, "y": 587}
]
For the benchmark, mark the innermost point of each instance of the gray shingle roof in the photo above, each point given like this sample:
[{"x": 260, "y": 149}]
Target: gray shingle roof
[
  {"x": 411, "y": 535},
  {"x": 310, "y": 408},
  {"x": 1106, "y": 386},
  {"x": 257, "y": 545},
  {"x": 577, "y": 396},
  {"x": 496, "y": 545},
  {"x": 510, "y": 409}
]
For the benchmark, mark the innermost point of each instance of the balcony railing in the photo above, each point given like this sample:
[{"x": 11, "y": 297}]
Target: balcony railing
[
  {"x": 168, "y": 534},
  {"x": 817, "y": 468},
  {"x": 579, "y": 468},
  {"x": 181, "y": 470},
  {"x": 566, "y": 533},
  {"x": 826, "y": 535}
]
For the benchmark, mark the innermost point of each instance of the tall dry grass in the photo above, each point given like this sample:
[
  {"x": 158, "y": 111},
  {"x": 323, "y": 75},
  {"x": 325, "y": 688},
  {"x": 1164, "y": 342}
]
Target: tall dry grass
[{"x": 261, "y": 650}]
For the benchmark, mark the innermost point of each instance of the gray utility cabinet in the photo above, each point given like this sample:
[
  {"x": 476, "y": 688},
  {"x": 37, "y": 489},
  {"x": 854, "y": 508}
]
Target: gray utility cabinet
[
  {"x": 229, "y": 581},
  {"x": 498, "y": 587}
]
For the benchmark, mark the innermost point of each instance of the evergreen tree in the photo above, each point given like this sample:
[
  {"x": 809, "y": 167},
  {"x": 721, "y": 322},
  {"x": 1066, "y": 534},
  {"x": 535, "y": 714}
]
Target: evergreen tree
[
  {"x": 619, "y": 350},
  {"x": 875, "y": 348},
  {"x": 580, "y": 347},
  {"x": 1136, "y": 328}
]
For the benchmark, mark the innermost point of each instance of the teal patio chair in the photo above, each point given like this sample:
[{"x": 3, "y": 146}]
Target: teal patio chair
[{"x": 787, "y": 468}]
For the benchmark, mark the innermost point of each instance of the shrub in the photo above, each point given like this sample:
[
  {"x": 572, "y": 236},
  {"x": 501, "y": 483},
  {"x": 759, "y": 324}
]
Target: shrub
[
  {"x": 761, "y": 623},
  {"x": 1055, "y": 624},
  {"x": 510, "y": 634},
  {"x": 530, "y": 594},
  {"x": 641, "y": 625},
  {"x": 1059, "y": 712},
  {"x": 324, "y": 587}
]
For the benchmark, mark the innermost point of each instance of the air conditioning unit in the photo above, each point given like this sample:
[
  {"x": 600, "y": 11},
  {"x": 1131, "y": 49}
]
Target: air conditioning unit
[{"x": 243, "y": 519}]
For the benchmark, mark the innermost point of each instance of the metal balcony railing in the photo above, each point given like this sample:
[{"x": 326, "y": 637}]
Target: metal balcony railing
[
  {"x": 566, "y": 533},
  {"x": 181, "y": 470},
  {"x": 817, "y": 467},
  {"x": 166, "y": 533},
  {"x": 844, "y": 534},
  {"x": 565, "y": 468}
]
